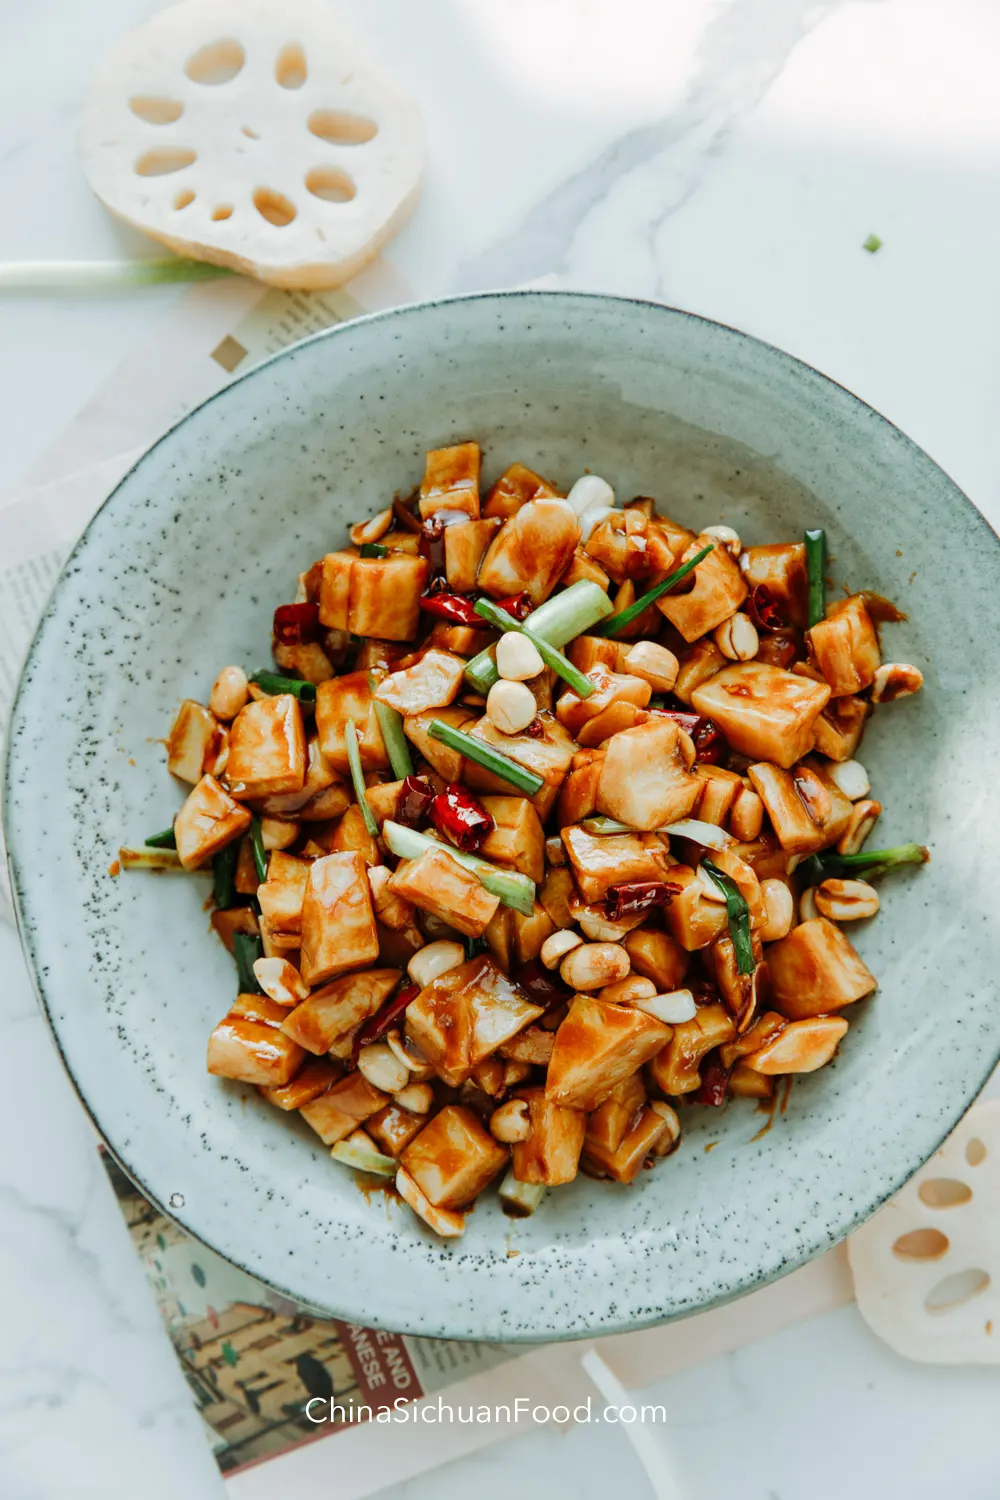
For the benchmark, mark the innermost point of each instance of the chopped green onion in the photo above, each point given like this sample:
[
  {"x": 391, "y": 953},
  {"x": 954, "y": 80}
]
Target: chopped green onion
[
  {"x": 149, "y": 859},
  {"x": 871, "y": 244},
  {"x": 89, "y": 275},
  {"x": 557, "y": 621},
  {"x": 520, "y": 1199},
  {"x": 364, "y": 1161},
  {"x": 165, "y": 840},
  {"x": 484, "y": 755},
  {"x": 397, "y": 746},
  {"x": 871, "y": 863},
  {"x": 561, "y": 665},
  {"x": 257, "y": 845},
  {"x": 247, "y": 948},
  {"x": 621, "y": 621},
  {"x": 224, "y": 876},
  {"x": 373, "y": 549},
  {"x": 358, "y": 777},
  {"x": 739, "y": 917},
  {"x": 274, "y": 684},
  {"x": 513, "y": 888},
  {"x": 816, "y": 570}
]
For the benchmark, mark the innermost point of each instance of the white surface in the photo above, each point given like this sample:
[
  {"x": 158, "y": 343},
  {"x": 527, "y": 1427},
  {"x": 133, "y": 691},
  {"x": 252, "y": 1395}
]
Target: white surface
[{"x": 726, "y": 155}]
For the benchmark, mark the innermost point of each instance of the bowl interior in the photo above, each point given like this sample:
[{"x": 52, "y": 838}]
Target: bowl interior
[{"x": 179, "y": 574}]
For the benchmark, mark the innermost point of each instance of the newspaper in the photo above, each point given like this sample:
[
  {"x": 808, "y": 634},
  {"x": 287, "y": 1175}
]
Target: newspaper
[{"x": 216, "y": 332}]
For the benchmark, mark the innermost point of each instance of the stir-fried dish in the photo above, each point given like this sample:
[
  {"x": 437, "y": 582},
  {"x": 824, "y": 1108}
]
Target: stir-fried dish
[{"x": 546, "y": 824}]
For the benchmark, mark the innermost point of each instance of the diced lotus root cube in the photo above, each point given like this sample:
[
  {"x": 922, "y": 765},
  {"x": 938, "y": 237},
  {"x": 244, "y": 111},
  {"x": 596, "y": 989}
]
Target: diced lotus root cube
[
  {"x": 313, "y": 1078},
  {"x": 645, "y": 779},
  {"x": 252, "y": 1052},
  {"x": 465, "y": 1015},
  {"x": 573, "y": 712},
  {"x": 625, "y": 1163},
  {"x": 515, "y": 487},
  {"x": 675, "y": 1068},
  {"x": 384, "y": 599},
  {"x": 267, "y": 748},
  {"x": 549, "y": 756},
  {"x": 197, "y": 744},
  {"x": 453, "y": 1158},
  {"x": 432, "y": 682},
  {"x": 394, "y": 1128},
  {"x": 608, "y": 1124},
  {"x": 531, "y": 551},
  {"x": 518, "y": 841},
  {"x": 816, "y": 969},
  {"x": 437, "y": 883},
  {"x": 337, "y": 701},
  {"x": 337, "y": 1009},
  {"x": 464, "y": 548},
  {"x": 344, "y": 1107},
  {"x": 282, "y": 894},
  {"x": 599, "y": 862},
  {"x": 551, "y": 1154},
  {"x": 765, "y": 712},
  {"x": 781, "y": 570},
  {"x": 447, "y": 762},
  {"x": 338, "y": 923},
  {"x": 845, "y": 647},
  {"x": 597, "y": 1045},
  {"x": 719, "y": 590},
  {"x": 451, "y": 480},
  {"x": 808, "y": 811},
  {"x": 209, "y": 820}
]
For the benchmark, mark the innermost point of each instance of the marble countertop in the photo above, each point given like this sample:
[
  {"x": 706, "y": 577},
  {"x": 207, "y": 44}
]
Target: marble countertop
[{"x": 727, "y": 156}]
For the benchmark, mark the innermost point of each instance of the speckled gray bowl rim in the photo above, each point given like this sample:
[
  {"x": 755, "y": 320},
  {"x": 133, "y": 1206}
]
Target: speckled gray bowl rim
[{"x": 727, "y": 1289}]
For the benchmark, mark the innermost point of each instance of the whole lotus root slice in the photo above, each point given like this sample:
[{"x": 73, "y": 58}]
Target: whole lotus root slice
[{"x": 254, "y": 135}]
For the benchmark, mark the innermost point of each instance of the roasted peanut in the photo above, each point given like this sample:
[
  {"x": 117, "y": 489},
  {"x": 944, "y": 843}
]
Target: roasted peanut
[
  {"x": 379, "y": 1065},
  {"x": 673, "y": 1008},
  {"x": 278, "y": 835},
  {"x": 230, "y": 691},
  {"x": 864, "y": 816},
  {"x": 434, "y": 959},
  {"x": 729, "y": 539},
  {"x": 517, "y": 658},
  {"x": 372, "y": 530},
  {"x": 779, "y": 907},
  {"x": 737, "y": 638},
  {"x": 746, "y": 817},
  {"x": 808, "y": 911},
  {"x": 654, "y": 664},
  {"x": 557, "y": 945},
  {"x": 594, "y": 965},
  {"x": 510, "y": 1122},
  {"x": 670, "y": 1138},
  {"x": 510, "y": 706},
  {"x": 280, "y": 981},
  {"x": 851, "y": 777},
  {"x": 846, "y": 900},
  {"x": 416, "y": 1097},
  {"x": 630, "y": 991},
  {"x": 895, "y": 679}
]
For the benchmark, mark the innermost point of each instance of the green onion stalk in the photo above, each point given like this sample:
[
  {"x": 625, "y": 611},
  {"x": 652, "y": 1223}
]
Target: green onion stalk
[
  {"x": 816, "y": 573},
  {"x": 224, "y": 876},
  {"x": 247, "y": 948},
  {"x": 165, "y": 840},
  {"x": 869, "y": 864},
  {"x": 397, "y": 746},
  {"x": 557, "y": 622},
  {"x": 275, "y": 684},
  {"x": 257, "y": 845},
  {"x": 358, "y": 778}
]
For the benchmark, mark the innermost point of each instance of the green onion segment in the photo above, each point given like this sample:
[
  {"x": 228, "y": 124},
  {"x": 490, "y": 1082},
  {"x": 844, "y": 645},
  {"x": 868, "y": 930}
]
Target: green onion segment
[
  {"x": 557, "y": 621},
  {"x": 561, "y": 665},
  {"x": 358, "y": 777},
  {"x": 397, "y": 746},
  {"x": 739, "y": 917},
  {"x": 624, "y": 619},
  {"x": 513, "y": 888},
  {"x": 274, "y": 684},
  {"x": 816, "y": 572},
  {"x": 484, "y": 755}
]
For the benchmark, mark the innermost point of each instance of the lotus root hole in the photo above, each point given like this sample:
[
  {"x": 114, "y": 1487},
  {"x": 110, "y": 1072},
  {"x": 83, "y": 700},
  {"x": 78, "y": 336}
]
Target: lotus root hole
[
  {"x": 921, "y": 1244},
  {"x": 956, "y": 1289},
  {"x": 330, "y": 184},
  {"x": 944, "y": 1192},
  {"x": 183, "y": 199},
  {"x": 156, "y": 111},
  {"x": 217, "y": 63},
  {"x": 975, "y": 1152},
  {"x": 224, "y": 211},
  {"x": 163, "y": 160},
  {"x": 274, "y": 207},
  {"x": 341, "y": 128},
  {"x": 290, "y": 68}
]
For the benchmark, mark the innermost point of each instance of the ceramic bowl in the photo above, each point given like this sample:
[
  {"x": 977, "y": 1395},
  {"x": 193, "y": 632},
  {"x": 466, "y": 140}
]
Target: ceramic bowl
[{"x": 179, "y": 573}]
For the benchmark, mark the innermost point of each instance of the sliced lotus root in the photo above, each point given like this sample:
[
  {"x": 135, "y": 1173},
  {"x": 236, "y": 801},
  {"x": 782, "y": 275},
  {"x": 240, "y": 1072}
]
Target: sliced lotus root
[
  {"x": 252, "y": 134},
  {"x": 927, "y": 1266}
]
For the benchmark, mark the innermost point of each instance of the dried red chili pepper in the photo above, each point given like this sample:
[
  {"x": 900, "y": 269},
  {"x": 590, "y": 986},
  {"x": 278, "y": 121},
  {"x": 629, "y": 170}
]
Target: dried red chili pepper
[
  {"x": 462, "y": 818},
  {"x": 780, "y": 650},
  {"x": 296, "y": 623},
  {"x": 544, "y": 987},
  {"x": 381, "y": 1022},
  {"x": 637, "y": 895},
  {"x": 431, "y": 543},
  {"x": 405, "y": 516},
  {"x": 415, "y": 797},
  {"x": 454, "y": 608},
  {"x": 710, "y": 743},
  {"x": 518, "y": 606},
  {"x": 714, "y": 1082},
  {"x": 764, "y": 612}
]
